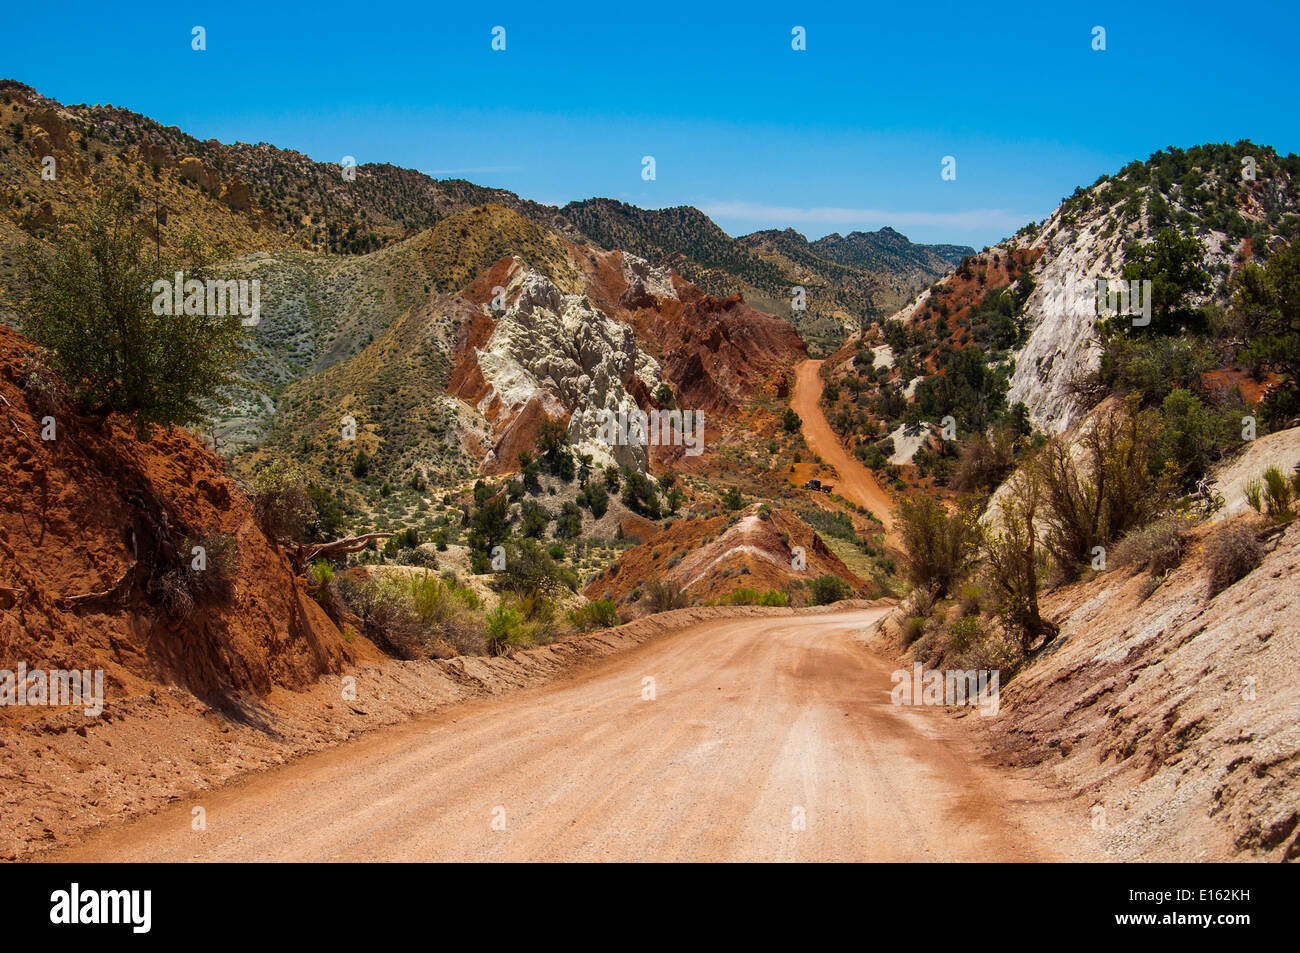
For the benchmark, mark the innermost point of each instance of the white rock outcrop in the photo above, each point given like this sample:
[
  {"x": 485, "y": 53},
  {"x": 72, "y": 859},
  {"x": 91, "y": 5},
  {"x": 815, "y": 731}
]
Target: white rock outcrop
[{"x": 573, "y": 359}]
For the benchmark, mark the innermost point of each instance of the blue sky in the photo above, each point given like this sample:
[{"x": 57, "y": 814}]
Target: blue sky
[{"x": 849, "y": 133}]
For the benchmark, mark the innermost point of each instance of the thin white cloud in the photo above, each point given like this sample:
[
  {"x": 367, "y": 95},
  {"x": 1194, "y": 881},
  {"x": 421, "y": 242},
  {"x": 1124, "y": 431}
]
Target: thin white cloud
[{"x": 994, "y": 218}]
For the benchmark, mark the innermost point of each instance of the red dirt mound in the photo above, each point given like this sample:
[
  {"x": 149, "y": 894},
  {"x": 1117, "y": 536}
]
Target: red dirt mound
[
  {"x": 711, "y": 558},
  {"x": 90, "y": 524}
]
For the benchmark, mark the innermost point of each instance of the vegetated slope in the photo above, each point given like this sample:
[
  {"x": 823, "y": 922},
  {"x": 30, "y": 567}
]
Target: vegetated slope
[
  {"x": 56, "y": 159},
  {"x": 578, "y": 330},
  {"x": 241, "y": 198},
  {"x": 888, "y": 251},
  {"x": 765, "y": 266},
  {"x": 1199, "y": 191},
  {"x": 97, "y": 530},
  {"x": 319, "y": 310},
  {"x": 287, "y": 197},
  {"x": 1016, "y": 324}
]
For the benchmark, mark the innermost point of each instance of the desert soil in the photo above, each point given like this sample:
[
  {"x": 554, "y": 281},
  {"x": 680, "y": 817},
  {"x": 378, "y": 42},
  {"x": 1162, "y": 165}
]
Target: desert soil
[{"x": 754, "y": 723}]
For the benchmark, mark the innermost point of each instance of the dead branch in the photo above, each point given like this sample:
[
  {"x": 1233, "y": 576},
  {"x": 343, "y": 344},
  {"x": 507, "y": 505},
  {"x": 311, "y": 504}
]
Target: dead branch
[{"x": 303, "y": 554}]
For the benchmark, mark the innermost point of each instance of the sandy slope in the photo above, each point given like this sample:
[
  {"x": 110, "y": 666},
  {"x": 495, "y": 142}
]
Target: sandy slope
[
  {"x": 752, "y": 720},
  {"x": 855, "y": 481}
]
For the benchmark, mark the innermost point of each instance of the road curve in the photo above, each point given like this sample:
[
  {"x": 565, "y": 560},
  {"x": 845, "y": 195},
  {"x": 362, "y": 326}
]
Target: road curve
[
  {"x": 755, "y": 724},
  {"x": 855, "y": 481}
]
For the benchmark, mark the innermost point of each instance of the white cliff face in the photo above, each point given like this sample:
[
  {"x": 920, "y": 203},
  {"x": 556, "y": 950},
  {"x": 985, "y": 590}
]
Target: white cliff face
[
  {"x": 1061, "y": 311},
  {"x": 572, "y": 358},
  {"x": 1061, "y": 344}
]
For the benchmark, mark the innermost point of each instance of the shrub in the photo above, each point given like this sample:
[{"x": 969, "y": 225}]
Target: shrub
[
  {"x": 598, "y": 614},
  {"x": 531, "y": 570},
  {"x": 568, "y": 525},
  {"x": 1157, "y": 547},
  {"x": 321, "y": 573},
  {"x": 913, "y": 628},
  {"x": 387, "y": 616},
  {"x": 421, "y": 617},
  {"x": 1192, "y": 435},
  {"x": 1255, "y": 494},
  {"x": 965, "y": 633},
  {"x": 533, "y": 519},
  {"x": 90, "y": 300},
  {"x": 744, "y": 596},
  {"x": 982, "y": 464},
  {"x": 1231, "y": 554},
  {"x": 417, "y": 557},
  {"x": 594, "y": 497},
  {"x": 937, "y": 547},
  {"x": 1109, "y": 490},
  {"x": 969, "y": 599},
  {"x": 1266, "y": 302},
  {"x": 1013, "y": 563},
  {"x": 640, "y": 495},
  {"x": 1277, "y": 496},
  {"x": 281, "y": 503},
  {"x": 665, "y": 595},
  {"x": 503, "y": 624},
  {"x": 773, "y": 598},
  {"x": 826, "y": 589}
]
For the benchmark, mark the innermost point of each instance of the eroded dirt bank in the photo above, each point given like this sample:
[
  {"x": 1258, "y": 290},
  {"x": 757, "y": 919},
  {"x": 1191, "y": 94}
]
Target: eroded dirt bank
[{"x": 1171, "y": 718}]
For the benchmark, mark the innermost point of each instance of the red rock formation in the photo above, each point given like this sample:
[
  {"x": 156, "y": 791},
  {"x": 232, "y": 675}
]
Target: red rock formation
[{"x": 89, "y": 523}]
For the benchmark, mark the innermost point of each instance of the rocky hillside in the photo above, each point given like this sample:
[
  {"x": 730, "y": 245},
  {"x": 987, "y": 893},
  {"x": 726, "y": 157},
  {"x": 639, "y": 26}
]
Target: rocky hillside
[
  {"x": 1200, "y": 192},
  {"x": 887, "y": 251},
  {"x": 444, "y": 382},
  {"x": 1013, "y": 340},
  {"x": 845, "y": 282},
  {"x": 243, "y": 198}
]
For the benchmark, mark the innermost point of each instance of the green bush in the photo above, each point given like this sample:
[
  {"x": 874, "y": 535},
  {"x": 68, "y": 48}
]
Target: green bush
[
  {"x": 503, "y": 626},
  {"x": 1278, "y": 498},
  {"x": 913, "y": 629},
  {"x": 595, "y": 497},
  {"x": 282, "y": 505},
  {"x": 937, "y": 546},
  {"x": 826, "y": 589},
  {"x": 598, "y": 614},
  {"x": 744, "y": 596},
  {"x": 1092, "y": 499},
  {"x": 965, "y": 633},
  {"x": 90, "y": 299},
  {"x": 321, "y": 573}
]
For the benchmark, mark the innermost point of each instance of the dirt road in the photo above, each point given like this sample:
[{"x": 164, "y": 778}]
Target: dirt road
[
  {"x": 755, "y": 725},
  {"x": 855, "y": 481}
]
